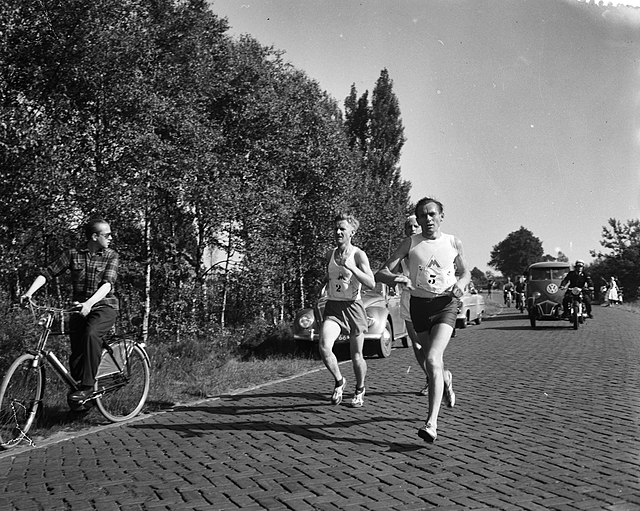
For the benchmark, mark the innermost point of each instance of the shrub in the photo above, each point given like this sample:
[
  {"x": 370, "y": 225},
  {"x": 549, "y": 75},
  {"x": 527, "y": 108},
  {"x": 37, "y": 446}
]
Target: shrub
[{"x": 17, "y": 331}]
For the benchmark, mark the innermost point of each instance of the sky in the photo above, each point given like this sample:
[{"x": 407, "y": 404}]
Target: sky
[{"x": 516, "y": 113}]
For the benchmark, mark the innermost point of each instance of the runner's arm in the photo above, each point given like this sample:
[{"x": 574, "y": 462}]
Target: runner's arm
[
  {"x": 362, "y": 270},
  {"x": 387, "y": 275},
  {"x": 463, "y": 269}
]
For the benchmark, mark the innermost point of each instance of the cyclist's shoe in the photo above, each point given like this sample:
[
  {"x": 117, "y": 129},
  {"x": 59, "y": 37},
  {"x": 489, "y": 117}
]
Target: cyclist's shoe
[
  {"x": 358, "y": 398},
  {"x": 449, "y": 394},
  {"x": 336, "y": 398},
  {"x": 428, "y": 433},
  {"x": 425, "y": 389},
  {"x": 81, "y": 395}
]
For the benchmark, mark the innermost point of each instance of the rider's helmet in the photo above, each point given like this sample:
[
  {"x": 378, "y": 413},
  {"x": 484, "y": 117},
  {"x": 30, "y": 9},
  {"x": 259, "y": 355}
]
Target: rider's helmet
[{"x": 579, "y": 263}]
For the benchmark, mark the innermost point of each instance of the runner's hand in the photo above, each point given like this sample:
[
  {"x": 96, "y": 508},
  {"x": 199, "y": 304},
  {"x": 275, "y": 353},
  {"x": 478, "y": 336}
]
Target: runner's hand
[{"x": 404, "y": 281}]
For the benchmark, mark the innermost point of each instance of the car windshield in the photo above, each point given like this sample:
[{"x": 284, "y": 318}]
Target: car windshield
[{"x": 548, "y": 273}]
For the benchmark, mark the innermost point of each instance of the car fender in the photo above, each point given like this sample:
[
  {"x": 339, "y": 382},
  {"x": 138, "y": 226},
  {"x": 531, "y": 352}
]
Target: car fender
[{"x": 379, "y": 316}]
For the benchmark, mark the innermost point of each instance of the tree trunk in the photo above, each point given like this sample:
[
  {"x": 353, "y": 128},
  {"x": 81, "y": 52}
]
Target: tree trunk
[{"x": 147, "y": 279}]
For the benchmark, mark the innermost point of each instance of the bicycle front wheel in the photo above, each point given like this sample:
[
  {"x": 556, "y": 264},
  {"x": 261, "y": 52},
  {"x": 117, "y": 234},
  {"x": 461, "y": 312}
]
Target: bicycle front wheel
[
  {"x": 20, "y": 397},
  {"x": 124, "y": 383}
]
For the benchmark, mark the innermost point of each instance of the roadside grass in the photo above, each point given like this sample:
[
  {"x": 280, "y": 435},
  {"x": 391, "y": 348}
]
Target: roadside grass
[{"x": 630, "y": 306}]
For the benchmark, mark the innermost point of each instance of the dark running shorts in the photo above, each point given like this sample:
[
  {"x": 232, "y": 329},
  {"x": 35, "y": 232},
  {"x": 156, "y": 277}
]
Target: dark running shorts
[
  {"x": 426, "y": 312},
  {"x": 351, "y": 316}
]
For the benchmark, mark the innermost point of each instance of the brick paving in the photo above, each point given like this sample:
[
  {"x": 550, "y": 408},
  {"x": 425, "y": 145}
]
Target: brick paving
[{"x": 545, "y": 419}]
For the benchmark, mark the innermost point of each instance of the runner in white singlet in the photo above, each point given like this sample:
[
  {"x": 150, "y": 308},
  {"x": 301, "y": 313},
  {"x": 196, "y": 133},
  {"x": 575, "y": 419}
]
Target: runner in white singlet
[
  {"x": 347, "y": 271},
  {"x": 438, "y": 275}
]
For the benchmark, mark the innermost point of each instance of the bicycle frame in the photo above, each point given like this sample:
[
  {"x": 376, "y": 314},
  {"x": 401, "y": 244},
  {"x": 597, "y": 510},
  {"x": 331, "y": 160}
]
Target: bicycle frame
[{"x": 46, "y": 322}]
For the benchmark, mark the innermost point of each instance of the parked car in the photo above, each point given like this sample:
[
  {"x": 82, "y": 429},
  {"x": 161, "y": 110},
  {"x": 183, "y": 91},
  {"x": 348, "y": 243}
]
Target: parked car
[
  {"x": 544, "y": 297},
  {"x": 386, "y": 325},
  {"x": 471, "y": 308}
]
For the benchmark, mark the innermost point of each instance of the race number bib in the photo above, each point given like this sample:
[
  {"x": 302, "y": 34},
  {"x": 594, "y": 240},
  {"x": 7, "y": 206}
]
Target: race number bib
[
  {"x": 342, "y": 288},
  {"x": 431, "y": 280}
]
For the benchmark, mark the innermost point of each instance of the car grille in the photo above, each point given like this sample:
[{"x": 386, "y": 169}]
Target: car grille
[{"x": 547, "y": 307}]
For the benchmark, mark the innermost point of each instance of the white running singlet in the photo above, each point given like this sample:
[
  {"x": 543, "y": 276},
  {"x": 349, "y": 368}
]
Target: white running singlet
[
  {"x": 431, "y": 265},
  {"x": 343, "y": 286}
]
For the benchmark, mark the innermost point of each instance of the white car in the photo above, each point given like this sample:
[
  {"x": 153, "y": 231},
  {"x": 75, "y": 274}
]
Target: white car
[{"x": 471, "y": 309}]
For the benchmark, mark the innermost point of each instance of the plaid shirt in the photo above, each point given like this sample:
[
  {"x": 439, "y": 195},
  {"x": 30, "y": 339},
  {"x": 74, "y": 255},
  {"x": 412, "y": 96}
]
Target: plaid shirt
[{"x": 88, "y": 272}]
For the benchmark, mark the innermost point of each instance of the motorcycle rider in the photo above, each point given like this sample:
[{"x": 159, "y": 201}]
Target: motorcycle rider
[
  {"x": 507, "y": 289},
  {"x": 577, "y": 278}
]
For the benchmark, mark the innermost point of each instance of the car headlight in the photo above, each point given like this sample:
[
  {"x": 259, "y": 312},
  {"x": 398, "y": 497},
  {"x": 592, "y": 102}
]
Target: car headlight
[
  {"x": 306, "y": 320},
  {"x": 536, "y": 295}
]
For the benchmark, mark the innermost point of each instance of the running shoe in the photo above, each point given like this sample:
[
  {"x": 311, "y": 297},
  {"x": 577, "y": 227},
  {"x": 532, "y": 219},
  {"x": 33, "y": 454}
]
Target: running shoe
[
  {"x": 428, "y": 433},
  {"x": 449, "y": 394},
  {"x": 336, "y": 398},
  {"x": 358, "y": 399}
]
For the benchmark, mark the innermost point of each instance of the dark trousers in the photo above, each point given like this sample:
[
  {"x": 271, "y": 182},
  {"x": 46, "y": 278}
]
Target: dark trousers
[{"x": 86, "y": 342}]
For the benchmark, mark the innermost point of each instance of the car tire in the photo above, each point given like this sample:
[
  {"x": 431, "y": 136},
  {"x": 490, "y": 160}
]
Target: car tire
[
  {"x": 385, "y": 341},
  {"x": 406, "y": 342},
  {"x": 462, "y": 323},
  {"x": 478, "y": 320}
]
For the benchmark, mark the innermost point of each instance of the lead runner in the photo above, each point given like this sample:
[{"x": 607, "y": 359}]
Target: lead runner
[{"x": 438, "y": 275}]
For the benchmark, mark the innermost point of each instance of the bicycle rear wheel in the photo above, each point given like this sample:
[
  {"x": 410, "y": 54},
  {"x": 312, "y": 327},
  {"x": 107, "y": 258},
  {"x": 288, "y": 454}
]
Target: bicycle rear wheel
[
  {"x": 123, "y": 378},
  {"x": 20, "y": 397}
]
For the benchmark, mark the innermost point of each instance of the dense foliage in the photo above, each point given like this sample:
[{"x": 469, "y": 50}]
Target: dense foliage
[
  {"x": 621, "y": 259},
  {"x": 218, "y": 164},
  {"x": 516, "y": 252}
]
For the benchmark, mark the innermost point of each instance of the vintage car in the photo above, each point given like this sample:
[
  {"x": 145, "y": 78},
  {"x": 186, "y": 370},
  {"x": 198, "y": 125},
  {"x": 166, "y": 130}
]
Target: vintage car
[
  {"x": 471, "y": 308},
  {"x": 386, "y": 325},
  {"x": 544, "y": 296}
]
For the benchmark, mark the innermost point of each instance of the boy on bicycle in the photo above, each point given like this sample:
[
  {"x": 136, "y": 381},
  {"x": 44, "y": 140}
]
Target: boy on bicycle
[{"x": 94, "y": 270}]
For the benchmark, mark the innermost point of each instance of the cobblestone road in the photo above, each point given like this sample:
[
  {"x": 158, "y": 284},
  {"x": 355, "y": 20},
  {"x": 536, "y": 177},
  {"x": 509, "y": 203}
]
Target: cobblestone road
[{"x": 545, "y": 419}]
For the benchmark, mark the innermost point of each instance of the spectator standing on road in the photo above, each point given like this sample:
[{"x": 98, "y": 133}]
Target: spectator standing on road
[
  {"x": 94, "y": 270},
  {"x": 612, "y": 292},
  {"x": 577, "y": 278},
  {"x": 411, "y": 227},
  {"x": 347, "y": 271},
  {"x": 489, "y": 288},
  {"x": 434, "y": 258}
]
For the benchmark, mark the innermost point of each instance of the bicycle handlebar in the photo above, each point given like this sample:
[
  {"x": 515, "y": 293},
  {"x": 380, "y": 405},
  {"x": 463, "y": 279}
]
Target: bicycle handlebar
[{"x": 33, "y": 305}]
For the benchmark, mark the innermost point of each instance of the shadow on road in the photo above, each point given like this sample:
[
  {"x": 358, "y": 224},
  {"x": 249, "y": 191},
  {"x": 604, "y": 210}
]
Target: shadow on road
[
  {"x": 303, "y": 406},
  {"x": 314, "y": 432}
]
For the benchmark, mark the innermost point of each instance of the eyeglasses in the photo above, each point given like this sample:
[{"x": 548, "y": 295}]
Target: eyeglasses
[{"x": 105, "y": 235}]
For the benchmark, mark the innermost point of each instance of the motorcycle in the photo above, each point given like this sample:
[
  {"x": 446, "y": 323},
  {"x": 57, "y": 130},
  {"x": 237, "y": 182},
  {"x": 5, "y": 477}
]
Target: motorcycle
[
  {"x": 577, "y": 311},
  {"x": 507, "y": 298}
]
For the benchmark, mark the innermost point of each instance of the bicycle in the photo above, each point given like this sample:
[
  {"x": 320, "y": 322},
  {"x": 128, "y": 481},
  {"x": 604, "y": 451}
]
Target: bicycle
[{"x": 121, "y": 387}]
